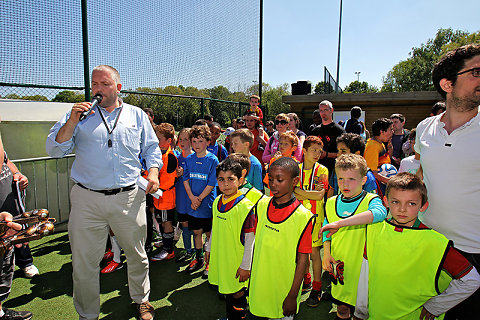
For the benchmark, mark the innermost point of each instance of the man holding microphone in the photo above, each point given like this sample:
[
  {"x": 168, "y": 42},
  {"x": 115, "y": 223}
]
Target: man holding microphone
[{"x": 108, "y": 143}]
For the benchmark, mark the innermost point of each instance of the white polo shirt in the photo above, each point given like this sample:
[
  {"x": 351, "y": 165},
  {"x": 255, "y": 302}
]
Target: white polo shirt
[{"x": 451, "y": 171}]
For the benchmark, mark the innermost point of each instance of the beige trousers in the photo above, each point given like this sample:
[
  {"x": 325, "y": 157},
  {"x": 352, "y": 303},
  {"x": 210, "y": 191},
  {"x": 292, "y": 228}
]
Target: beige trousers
[{"x": 91, "y": 215}]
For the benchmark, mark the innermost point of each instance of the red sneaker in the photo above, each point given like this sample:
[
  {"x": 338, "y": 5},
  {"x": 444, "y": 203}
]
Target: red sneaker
[
  {"x": 108, "y": 255},
  {"x": 112, "y": 266},
  {"x": 195, "y": 265}
]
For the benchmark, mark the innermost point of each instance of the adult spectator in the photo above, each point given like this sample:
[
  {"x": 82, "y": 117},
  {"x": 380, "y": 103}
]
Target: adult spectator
[
  {"x": 410, "y": 164},
  {"x": 438, "y": 108},
  {"x": 23, "y": 255},
  {"x": 240, "y": 123},
  {"x": 449, "y": 160},
  {"x": 317, "y": 120},
  {"x": 208, "y": 118},
  {"x": 107, "y": 144},
  {"x": 375, "y": 152},
  {"x": 151, "y": 115},
  {"x": 328, "y": 131},
  {"x": 281, "y": 123},
  {"x": 400, "y": 136},
  {"x": 260, "y": 137},
  {"x": 7, "y": 264},
  {"x": 269, "y": 127},
  {"x": 353, "y": 124},
  {"x": 293, "y": 126}
]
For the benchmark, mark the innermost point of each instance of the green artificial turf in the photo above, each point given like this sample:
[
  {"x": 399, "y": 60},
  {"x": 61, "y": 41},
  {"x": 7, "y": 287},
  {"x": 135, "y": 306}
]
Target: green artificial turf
[{"x": 174, "y": 293}]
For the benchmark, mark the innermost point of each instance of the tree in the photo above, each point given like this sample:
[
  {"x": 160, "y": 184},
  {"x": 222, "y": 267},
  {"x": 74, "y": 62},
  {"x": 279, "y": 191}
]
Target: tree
[
  {"x": 414, "y": 74},
  {"x": 272, "y": 99},
  {"x": 323, "y": 88},
  {"x": 36, "y": 97},
  {"x": 360, "y": 87},
  {"x": 69, "y": 96}
]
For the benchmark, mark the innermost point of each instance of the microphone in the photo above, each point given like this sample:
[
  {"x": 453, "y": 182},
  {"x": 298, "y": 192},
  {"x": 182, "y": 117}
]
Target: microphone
[{"x": 95, "y": 100}]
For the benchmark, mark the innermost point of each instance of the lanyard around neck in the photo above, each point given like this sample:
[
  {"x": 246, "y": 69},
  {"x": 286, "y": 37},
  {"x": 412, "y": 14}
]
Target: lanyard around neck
[
  {"x": 116, "y": 120},
  {"x": 114, "y": 125}
]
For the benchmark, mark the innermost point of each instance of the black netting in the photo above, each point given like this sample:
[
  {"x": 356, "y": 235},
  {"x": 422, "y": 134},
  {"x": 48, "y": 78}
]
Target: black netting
[{"x": 152, "y": 43}]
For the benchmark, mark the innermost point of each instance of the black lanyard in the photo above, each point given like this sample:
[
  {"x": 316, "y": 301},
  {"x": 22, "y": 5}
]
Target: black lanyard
[{"x": 114, "y": 125}]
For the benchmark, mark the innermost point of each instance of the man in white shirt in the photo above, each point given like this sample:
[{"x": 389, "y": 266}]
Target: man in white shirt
[{"x": 448, "y": 148}]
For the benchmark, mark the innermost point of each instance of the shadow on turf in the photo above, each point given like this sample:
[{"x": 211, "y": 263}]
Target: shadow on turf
[
  {"x": 59, "y": 245},
  {"x": 165, "y": 277},
  {"x": 48, "y": 285}
]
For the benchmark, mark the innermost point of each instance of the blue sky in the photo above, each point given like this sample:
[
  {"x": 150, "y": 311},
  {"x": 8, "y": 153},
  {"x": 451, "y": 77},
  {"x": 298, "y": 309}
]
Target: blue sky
[{"x": 300, "y": 37}]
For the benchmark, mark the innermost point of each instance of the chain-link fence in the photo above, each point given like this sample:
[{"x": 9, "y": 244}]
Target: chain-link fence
[
  {"x": 180, "y": 110},
  {"x": 179, "y": 48}
]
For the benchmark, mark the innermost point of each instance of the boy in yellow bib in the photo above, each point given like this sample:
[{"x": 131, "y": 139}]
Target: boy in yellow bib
[
  {"x": 283, "y": 242},
  {"x": 231, "y": 240},
  {"x": 310, "y": 191},
  {"x": 405, "y": 265},
  {"x": 344, "y": 249},
  {"x": 248, "y": 190}
]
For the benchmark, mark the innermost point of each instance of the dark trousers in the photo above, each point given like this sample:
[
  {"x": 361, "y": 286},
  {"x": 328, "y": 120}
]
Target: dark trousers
[
  {"x": 7, "y": 265},
  {"x": 23, "y": 257},
  {"x": 470, "y": 308},
  {"x": 148, "y": 240}
]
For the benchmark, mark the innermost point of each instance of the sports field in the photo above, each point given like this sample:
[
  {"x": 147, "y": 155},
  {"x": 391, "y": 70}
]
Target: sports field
[{"x": 174, "y": 293}]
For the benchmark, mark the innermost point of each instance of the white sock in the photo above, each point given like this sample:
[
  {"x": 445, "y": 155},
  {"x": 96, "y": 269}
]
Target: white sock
[
  {"x": 2, "y": 313},
  {"x": 117, "y": 251}
]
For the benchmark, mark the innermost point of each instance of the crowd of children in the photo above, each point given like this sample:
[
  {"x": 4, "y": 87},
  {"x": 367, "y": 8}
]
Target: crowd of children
[{"x": 258, "y": 226}]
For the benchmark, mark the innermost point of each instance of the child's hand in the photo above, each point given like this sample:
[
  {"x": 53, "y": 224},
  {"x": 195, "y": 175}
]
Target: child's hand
[
  {"x": 426, "y": 315},
  {"x": 319, "y": 187},
  {"x": 331, "y": 227},
  {"x": 196, "y": 202},
  {"x": 179, "y": 172},
  {"x": 277, "y": 154},
  {"x": 242, "y": 275},
  {"x": 327, "y": 262},
  {"x": 289, "y": 305}
]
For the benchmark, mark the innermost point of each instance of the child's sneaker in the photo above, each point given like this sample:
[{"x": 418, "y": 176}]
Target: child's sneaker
[
  {"x": 112, "y": 266},
  {"x": 195, "y": 265},
  {"x": 306, "y": 287},
  {"x": 10, "y": 314},
  {"x": 314, "y": 298},
  {"x": 185, "y": 256},
  {"x": 205, "y": 273},
  {"x": 163, "y": 255},
  {"x": 108, "y": 255}
]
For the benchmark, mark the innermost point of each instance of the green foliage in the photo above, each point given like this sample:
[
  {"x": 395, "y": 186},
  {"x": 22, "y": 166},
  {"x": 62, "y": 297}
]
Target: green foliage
[
  {"x": 36, "y": 97},
  {"x": 359, "y": 87},
  {"x": 323, "y": 87},
  {"x": 69, "y": 96},
  {"x": 414, "y": 74}
]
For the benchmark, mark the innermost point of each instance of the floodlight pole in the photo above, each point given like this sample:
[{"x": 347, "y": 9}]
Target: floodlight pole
[
  {"x": 86, "y": 63},
  {"x": 338, "y": 55},
  {"x": 260, "y": 53}
]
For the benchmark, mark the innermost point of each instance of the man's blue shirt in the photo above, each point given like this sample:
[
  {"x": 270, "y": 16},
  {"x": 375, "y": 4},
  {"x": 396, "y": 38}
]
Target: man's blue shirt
[{"x": 98, "y": 166}]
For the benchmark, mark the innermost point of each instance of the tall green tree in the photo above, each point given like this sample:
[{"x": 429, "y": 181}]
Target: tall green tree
[
  {"x": 323, "y": 87},
  {"x": 69, "y": 96},
  {"x": 359, "y": 87},
  {"x": 414, "y": 73}
]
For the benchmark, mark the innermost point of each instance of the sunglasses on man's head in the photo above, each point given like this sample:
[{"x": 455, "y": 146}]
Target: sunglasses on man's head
[{"x": 277, "y": 122}]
